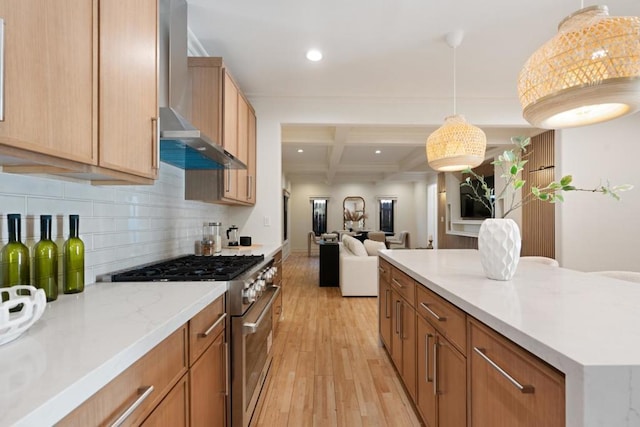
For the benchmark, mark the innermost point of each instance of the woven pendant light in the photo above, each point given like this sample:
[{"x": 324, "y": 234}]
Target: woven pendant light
[
  {"x": 588, "y": 73},
  {"x": 456, "y": 145}
]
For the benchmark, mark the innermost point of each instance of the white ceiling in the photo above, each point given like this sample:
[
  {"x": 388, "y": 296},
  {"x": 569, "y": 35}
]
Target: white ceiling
[{"x": 377, "y": 49}]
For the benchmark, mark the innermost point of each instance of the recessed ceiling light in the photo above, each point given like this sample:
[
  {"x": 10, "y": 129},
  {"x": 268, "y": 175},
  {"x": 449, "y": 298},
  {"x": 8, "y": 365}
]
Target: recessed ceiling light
[
  {"x": 314, "y": 55},
  {"x": 378, "y": 151},
  {"x": 300, "y": 150}
]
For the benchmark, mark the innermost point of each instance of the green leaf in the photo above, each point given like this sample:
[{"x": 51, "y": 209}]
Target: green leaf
[
  {"x": 566, "y": 180},
  {"x": 543, "y": 196},
  {"x": 509, "y": 156},
  {"x": 514, "y": 170},
  {"x": 568, "y": 188},
  {"x": 560, "y": 197},
  {"x": 535, "y": 191},
  {"x": 518, "y": 184}
]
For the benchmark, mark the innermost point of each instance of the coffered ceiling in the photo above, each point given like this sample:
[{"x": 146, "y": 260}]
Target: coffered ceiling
[{"x": 378, "y": 49}]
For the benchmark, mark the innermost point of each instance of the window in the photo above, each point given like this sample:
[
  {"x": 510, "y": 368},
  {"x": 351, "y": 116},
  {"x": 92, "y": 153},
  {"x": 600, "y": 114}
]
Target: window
[
  {"x": 319, "y": 216},
  {"x": 386, "y": 214}
]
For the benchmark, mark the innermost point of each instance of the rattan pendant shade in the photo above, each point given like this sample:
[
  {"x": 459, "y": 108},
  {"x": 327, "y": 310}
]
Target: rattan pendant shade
[
  {"x": 588, "y": 73},
  {"x": 456, "y": 145}
]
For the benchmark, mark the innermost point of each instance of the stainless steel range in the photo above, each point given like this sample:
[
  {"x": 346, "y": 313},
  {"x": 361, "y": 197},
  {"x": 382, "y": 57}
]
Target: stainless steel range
[{"x": 250, "y": 297}]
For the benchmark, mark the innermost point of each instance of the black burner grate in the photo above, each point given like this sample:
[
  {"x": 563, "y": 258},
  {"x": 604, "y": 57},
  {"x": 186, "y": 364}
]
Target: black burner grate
[{"x": 191, "y": 268}]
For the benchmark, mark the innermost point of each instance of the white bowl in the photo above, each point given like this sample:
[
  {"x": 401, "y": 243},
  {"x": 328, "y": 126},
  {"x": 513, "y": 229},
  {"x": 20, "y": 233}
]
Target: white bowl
[{"x": 13, "y": 324}]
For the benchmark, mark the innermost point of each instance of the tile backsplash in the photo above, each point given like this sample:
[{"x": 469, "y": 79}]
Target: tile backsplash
[{"x": 121, "y": 226}]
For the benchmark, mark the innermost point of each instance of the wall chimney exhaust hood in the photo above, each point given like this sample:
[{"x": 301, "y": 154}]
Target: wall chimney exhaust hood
[{"x": 181, "y": 144}]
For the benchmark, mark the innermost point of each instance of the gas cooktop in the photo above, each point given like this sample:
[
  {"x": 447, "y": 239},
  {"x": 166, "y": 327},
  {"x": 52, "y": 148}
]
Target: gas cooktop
[{"x": 191, "y": 268}]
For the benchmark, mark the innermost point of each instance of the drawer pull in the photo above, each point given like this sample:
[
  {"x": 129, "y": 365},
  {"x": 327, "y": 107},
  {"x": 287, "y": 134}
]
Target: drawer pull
[
  {"x": 398, "y": 284},
  {"x": 435, "y": 366},
  {"x": 522, "y": 388},
  {"x": 397, "y": 319},
  {"x": 212, "y": 327},
  {"x": 146, "y": 391},
  {"x": 433, "y": 313},
  {"x": 387, "y": 300}
]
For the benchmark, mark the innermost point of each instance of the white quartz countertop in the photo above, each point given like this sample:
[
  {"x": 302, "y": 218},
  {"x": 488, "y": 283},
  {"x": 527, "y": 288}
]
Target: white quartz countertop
[
  {"x": 85, "y": 340},
  {"x": 587, "y": 326}
]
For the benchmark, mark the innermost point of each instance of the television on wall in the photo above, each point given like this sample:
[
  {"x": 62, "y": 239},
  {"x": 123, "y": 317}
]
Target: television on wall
[{"x": 470, "y": 208}]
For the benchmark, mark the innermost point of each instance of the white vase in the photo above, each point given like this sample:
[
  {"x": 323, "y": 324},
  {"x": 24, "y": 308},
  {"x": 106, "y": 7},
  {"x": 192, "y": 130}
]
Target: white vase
[{"x": 499, "y": 245}]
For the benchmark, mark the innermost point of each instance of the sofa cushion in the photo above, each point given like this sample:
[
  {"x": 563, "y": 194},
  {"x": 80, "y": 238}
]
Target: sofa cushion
[
  {"x": 372, "y": 247},
  {"x": 354, "y": 246}
]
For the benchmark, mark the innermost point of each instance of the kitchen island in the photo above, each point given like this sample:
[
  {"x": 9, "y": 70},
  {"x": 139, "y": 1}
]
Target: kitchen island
[
  {"x": 83, "y": 341},
  {"x": 583, "y": 325}
]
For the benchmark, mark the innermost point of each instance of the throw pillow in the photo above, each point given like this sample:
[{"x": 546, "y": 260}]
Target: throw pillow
[
  {"x": 354, "y": 246},
  {"x": 372, "y": 246}
]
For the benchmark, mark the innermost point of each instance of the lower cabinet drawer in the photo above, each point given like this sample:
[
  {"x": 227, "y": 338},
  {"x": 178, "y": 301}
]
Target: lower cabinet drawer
[
  {"x": 510, "y": 386},
  {"x": 144, "y": 383},
  {"x": 205, "y": 326}
]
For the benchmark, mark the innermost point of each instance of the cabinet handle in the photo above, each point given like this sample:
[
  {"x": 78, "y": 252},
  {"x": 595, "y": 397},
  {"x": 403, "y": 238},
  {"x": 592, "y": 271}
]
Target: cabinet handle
[
  {"x": 146, "y": 391},
  {"x": 397, "y": 320},
  {"x": 226, "y": 368},
  {"x": 212, "y": 327},
  {"x": 1, "y": 69},
  {"x": 382, "y": 270},
  {"x": 228, "y": 190},
  {"x": 386, "y": 303},
  {"x": 435, "y": 366},
  {"x": 398, "y": 284},
  {"x": 433, "y": 313},
  {"x": 522, "y": 388},
  {"x": 155, "y": 152},
  {"x": 426, "y": 361},
  {"x": 249, "y": 187}
]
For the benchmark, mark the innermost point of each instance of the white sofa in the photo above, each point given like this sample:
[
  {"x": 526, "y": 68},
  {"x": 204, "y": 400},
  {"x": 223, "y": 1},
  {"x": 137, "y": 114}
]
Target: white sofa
[{"x": 359, "y": 267}]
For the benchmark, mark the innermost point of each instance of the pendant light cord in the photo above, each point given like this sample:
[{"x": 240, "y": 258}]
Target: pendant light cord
[{"x": 454, "y": 81}]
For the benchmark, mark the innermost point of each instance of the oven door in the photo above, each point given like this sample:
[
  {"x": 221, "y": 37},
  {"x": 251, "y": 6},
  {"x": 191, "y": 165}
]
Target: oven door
[{"x": 251, "y": 341}]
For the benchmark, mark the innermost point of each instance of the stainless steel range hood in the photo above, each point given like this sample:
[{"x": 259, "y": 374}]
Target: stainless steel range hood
[{"x": 181, "y": 143}]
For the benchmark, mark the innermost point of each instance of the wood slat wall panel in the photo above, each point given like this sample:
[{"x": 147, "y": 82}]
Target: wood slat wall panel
[{"x": 538, "y": 218}]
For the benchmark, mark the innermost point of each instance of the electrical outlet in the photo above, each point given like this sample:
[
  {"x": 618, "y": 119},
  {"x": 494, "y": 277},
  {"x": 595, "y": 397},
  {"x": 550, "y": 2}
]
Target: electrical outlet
[{"x": 267, "y": 221}]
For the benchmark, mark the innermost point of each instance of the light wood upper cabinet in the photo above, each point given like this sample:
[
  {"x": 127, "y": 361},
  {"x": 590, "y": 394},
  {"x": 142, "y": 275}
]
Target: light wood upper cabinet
[
  {"x": 49, "y": 78},
  {"x": 220, "y": 111},
  {"x": 251, "y": 157},
  {"x": 81, "y": 89},
  {"x": 128, "y": 86}
]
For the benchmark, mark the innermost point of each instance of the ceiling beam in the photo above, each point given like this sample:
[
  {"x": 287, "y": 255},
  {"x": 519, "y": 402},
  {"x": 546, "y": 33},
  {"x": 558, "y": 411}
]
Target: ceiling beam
[{"x": 336, "y": 150}]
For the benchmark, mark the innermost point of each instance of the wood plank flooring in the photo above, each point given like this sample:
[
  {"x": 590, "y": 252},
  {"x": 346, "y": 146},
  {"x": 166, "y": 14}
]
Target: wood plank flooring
[{"x": 329, "y": 368}]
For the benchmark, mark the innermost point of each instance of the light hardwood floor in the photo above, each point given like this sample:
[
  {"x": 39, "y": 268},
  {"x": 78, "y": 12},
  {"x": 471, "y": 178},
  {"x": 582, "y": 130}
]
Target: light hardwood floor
[{"x": 329, "y": 368}]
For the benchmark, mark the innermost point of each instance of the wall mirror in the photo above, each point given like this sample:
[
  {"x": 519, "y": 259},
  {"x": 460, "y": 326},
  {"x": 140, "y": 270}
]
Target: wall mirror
[{"x": 354, "y": 214}]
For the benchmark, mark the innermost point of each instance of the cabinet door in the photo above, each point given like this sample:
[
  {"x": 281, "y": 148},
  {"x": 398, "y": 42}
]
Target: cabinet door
[
  {"x": 243, "y": 155},
  {"x": 408, "y": 336},
  {"x": 128, "y": 108},
  {"x": 396, "y": 323},
  {"x": 49, "y": 75},
  {"x": 426, "y": 341},
  {"x": 450, "y": 384},
  {"x": 208, "y": 377},
  {"x": 173, "y": 411},
  {"x": 535, "y": 397},
  {"x": 385, "y": 308},
  {"x": 251, "y": 157},
  {"x": 229, "y": 114}
]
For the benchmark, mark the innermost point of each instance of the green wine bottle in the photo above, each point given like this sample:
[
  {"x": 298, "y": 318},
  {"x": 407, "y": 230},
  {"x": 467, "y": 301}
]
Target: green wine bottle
[
  {"x": 73, "y": 259},
  {"x": 14, "y": 257},
  {"x": 45, "y": 261}
]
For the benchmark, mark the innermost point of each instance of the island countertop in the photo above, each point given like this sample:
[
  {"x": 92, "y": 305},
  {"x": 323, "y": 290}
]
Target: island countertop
[{"x": 586, "y": 326}]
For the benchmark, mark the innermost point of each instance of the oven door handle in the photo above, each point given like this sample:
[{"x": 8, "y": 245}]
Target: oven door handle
[{"x": 252, "y": 328}]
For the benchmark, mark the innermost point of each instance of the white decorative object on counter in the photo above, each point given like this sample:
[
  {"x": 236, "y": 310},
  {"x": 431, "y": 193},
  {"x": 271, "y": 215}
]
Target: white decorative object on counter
[
  {"x": 12, "y": 325},
  {"x": 499, "y": 245}
]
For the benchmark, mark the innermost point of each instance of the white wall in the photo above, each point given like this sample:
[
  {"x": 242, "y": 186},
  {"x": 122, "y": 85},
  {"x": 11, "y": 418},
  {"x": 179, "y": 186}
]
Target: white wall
[
  {"x": 594, "y": 232},
  {"x": 407, "y": 211},
  {"x": 121, "y": 226}
]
